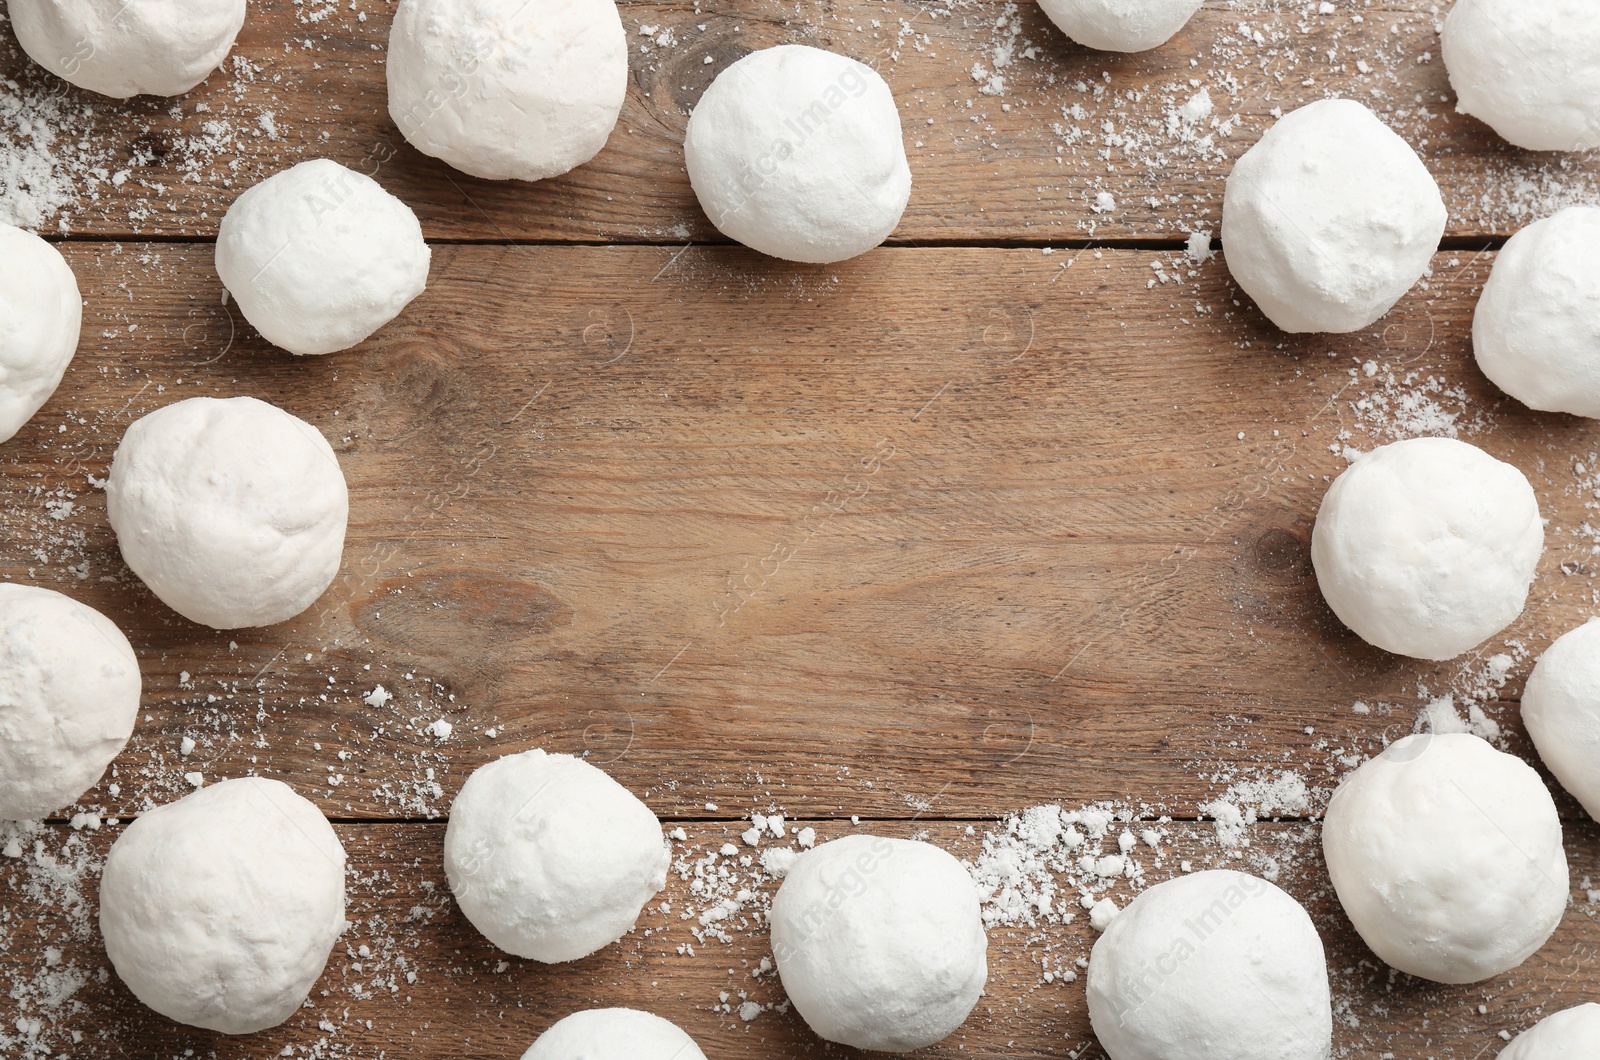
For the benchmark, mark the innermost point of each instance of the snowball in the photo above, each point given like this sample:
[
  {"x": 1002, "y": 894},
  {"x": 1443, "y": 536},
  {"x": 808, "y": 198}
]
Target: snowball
[
  {"x": 1219, "y": 965},
  {"x": 1120, "y": 25},
  {"x": 40, "y": 314},
  {"x": 219, "y": 910},
  {"x": 1427, "y": 547},
  {"x": 796, "y": 152},
  {"x": 879, "y": 942},
  {"x": 614, "y": 1032},
  {"x": 1330, "y": 218},
  {"x": 1571, "y": 1034},
  {"x": 320, "y": 256},
  {"x": 1529, "y": 68},
  {"x": 1446, "y": 855},
  {"x": 1537, "y": 329},
  {"x": 69, "y": 695},
  {"x": 549, "y": 857},
  {"x": 121, "y": 48},
  {"x": 231, "y": 510},
  {"x": 507, "y": 88},
  {"x": 1561, "y": 707}
]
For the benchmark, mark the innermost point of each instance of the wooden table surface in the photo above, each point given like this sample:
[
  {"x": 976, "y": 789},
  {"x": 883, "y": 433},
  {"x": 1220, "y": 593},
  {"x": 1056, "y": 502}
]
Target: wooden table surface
[{"x": 1015, "y": 510}]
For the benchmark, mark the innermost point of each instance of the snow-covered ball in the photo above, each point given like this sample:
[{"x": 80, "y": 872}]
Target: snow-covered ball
[
  {"x": 621, "y": 1033},
  {"x": 796, "y": 152},
  {"x": 1571, "y": 1034},
  {"x": 219, "y": 910},
  {"x": 551, "y": 858},
  {"x": 40, "y": 315},
  {"x": 1427, "y": 547},
  {"x": 1330, "y": 219},
  {"x": 69, "y": 696},
  {"x": 231, "y": 510},
  {"x": 1536, "y": 333},
  {"x": 319, "y": 257},
  {"x": 880, "y": 942},
  {"x": 1530, "y": 69},
  {"x": 501, "y": 89},
  {"x": 1446, "y": 855},
  {"x": 125, "y": 48},
  {"x": 1561, "y": 708},
  {"x": 1120, "y": 25},
  {"x": 1217, "y": 965}
]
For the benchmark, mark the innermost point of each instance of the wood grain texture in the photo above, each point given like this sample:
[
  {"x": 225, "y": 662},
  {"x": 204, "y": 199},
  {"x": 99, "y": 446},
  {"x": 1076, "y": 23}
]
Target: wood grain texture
[
  {"x": 1026, "y": 163},
  {"x": 936, "y": 530},
  {"x": 469, "y": 1001},
  {"x": 926, "y": 537}
]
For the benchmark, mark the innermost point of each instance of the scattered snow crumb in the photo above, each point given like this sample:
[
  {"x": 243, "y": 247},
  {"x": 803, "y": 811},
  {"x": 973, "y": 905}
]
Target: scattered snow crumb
[
  {"x": 777, "y": 861},
  {"x": 1198, "y": 108},
  {"x": 1250, "y": 800},
  {"x": 1199, "y": 247},
  {"x": 1440, "y": 716}
]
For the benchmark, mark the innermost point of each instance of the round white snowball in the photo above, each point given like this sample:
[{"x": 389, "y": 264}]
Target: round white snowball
[
  {"x": 219, "y": 910},
  {"x": 1530, "y": 69},
  {"x": 879, "y": 942},
  {"x": 614, "y": 1032},
  {"x": 796, "y": 152},
  {"x": 1330, "y": 218},
  {"x": 1571, "y": 1034},
  {"x": 40, "y": 314},
  {"x": 1217, "y": 965},
  {"x": 1537, "y": 329},
  {"x": 1427, "y": 547},
  {"x": 1446, "y": 855},
  {"x": 1120, "y": 25},
  {"x": 501, "y": 89},
  {"x": 320, "y": 256},
  {"x": 551, "y": 858},
  {"x": 121, "y": 48},
  {"x": 69, "y": 695},
  {"x": 1561, "y": 707},
  {"x": 231, "y": 510}
]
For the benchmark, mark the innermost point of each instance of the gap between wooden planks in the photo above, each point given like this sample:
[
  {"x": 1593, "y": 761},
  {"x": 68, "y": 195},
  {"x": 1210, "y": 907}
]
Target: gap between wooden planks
[
  {"x": 1026, "y": 165},
  {"x": 937, "y": 532}
]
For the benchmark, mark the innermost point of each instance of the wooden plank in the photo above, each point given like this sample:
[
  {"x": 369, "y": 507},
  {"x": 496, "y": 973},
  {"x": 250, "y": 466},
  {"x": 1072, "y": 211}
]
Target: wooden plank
[
  {"x": 1029, "y": 163},
  {"x": 936, "y": 530},
  {"x": 469, "y": 1000}
]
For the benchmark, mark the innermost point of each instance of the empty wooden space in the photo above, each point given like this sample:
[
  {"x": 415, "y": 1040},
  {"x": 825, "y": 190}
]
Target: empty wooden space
[{"x": 1015, "y": 510}]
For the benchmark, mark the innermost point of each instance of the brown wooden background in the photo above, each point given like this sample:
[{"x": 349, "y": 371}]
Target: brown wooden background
[{"x": 926, "y": 537}]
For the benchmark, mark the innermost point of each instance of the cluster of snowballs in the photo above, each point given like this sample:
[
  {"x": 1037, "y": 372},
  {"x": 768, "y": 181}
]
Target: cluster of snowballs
[{"x": 220, "y": 909}]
